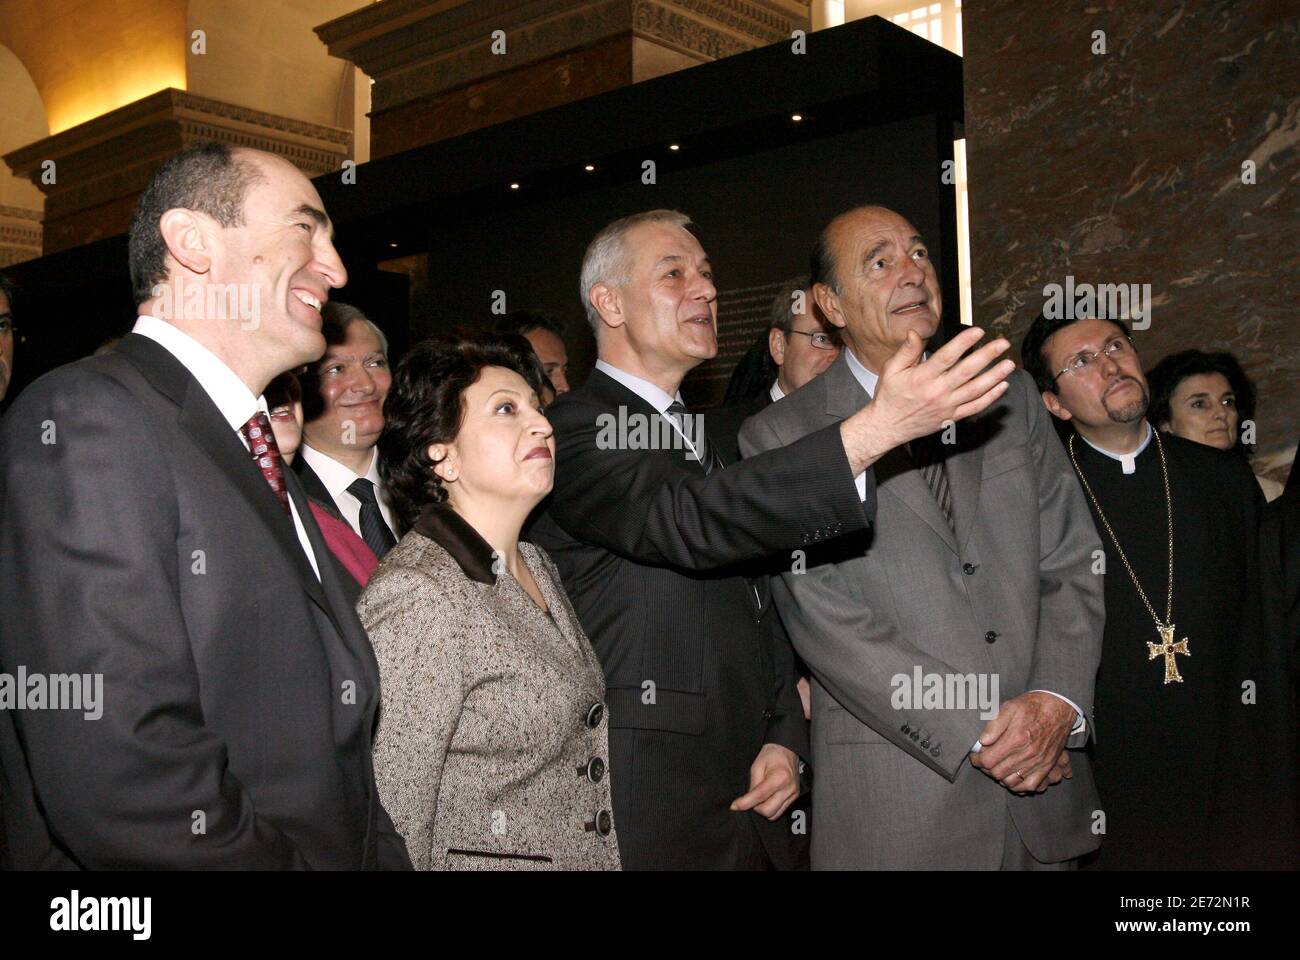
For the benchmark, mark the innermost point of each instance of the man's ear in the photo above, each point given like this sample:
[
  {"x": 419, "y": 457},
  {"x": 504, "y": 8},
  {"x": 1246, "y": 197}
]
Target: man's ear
[
  {"x": 776, "y": 345},
  {"x": 828, "y": 302},
  {"x": 189, "y": 237},
  {"x": 1054, "y": 406},
  {"x": 608, "y": 303}
]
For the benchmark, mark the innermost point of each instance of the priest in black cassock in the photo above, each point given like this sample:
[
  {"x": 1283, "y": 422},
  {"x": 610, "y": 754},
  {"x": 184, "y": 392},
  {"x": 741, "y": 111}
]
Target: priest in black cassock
[{"x": 1182, "y": 726}]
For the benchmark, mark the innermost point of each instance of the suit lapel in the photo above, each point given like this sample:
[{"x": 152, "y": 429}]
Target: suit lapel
[
  {"x": 200, "y": 419},
  {"x": 895, "y": 472},
  {"x": 965, "y": 467},
  {"x": 314, "y": 487},
  {"x": 617, "y": 395}
]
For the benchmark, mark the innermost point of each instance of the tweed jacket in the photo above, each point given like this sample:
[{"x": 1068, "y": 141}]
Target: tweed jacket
[{"x": 492, "y": 744}]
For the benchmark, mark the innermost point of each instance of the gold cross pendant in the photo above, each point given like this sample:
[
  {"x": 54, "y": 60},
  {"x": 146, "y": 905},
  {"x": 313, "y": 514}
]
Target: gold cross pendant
[{"x": 1168, "y": 648}]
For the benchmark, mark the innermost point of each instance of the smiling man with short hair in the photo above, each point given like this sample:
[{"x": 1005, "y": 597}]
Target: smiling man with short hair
[{"x": 151, "y": 535}]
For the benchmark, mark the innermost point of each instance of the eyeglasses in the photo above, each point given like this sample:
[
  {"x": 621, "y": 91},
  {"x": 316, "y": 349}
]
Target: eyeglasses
[
  {"x": 1080, "y": 362},
  {"x": 820, "y": 340}
]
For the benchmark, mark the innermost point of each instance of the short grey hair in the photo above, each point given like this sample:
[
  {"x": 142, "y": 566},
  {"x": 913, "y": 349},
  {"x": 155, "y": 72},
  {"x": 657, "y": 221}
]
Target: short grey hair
[
  {"x": 339, "y": 316},
  {"x": 781, "y": 313},
  {"x": 606, "y": 260}
]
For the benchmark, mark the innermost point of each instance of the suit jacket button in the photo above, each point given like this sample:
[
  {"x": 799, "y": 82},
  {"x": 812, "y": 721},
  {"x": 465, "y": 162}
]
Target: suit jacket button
[
  {"x": 595, "y": 715},
  {"x": 915, "y": 735},
  {"x": 906, "y": 728},
  {"x": 594, "y": 770},
  {"x": 602, "y": 823},
  {"x": 991, "y": 636},
  {"x": 768, "y": 714},
  {"x": 934, "y": 752},
  {"x": 968, "y": 568},
  {"x": 925, "y": 744}
]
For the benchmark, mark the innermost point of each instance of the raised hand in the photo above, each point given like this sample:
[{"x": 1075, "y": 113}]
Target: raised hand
[{"x": 915, "y": 398}]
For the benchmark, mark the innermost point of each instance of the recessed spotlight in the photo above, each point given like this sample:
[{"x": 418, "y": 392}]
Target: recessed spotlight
[
  {"x": 514, "y": 186},
  {"x": 796, "y": 117},
  {"x": 674, "y": 146},
  {"x": 393, "y": 245},
  {"x": 589, "y": 167}
]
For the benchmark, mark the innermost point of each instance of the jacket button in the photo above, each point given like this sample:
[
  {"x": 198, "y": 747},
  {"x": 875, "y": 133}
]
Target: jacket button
[
  {"x": 768, "y": 714},
  {"x": 906, "y": 728},
  {"x": 594, "y": 770},
  {"x": 602, "y": 823},
  {"x": 925, "y": 744},
  {"x": 915, "y": 735},
  {"x": 934, "y": 752},
  {"x": 991, "y": 636},
  {"x": 968, "y": 568},
  {"x": 595, "y": 714}
]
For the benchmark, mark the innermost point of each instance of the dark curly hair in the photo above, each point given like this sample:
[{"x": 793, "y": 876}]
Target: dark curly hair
[
  {"x": 426, "y": 405},
  {"x": 1165, "y": 376}
]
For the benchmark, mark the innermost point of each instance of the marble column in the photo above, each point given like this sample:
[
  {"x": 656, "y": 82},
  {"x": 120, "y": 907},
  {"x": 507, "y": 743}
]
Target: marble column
[{"x": 1143, "y": 143}]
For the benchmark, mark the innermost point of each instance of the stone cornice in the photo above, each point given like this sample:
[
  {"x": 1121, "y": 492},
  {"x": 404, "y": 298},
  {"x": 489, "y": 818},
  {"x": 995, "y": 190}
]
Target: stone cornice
[
  {"x": 167, "y": 105},
  {"x": 419, "y": 48}
]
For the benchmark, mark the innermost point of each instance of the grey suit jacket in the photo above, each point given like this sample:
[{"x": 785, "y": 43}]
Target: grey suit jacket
[
  {"x": 493, "y": 737},
  {"x": 1009, "y": 596}
]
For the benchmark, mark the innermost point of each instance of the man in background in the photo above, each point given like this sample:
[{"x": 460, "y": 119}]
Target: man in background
[{"x": 343, "y": 403}]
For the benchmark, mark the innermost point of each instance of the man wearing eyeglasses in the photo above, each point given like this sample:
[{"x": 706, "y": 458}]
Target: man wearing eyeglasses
[
  {"x": 8, "y": 333},
  {"x": 976, "y": 571},
  {"x": 1190, "y": 713}
]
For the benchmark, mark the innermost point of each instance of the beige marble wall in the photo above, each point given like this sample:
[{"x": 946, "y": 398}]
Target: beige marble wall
[{"x": 1127, "y": 167}]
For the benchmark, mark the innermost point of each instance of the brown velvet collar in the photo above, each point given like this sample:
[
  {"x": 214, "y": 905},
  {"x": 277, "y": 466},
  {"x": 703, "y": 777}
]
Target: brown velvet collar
[{"x": 447, "y": 528}]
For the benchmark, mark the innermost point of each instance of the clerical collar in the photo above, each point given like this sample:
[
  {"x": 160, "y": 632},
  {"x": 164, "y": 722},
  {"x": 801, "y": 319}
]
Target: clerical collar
[{"x": 1127, "y": 460}]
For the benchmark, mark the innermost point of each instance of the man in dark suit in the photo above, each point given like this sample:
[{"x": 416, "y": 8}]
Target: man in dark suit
[
  {"x": 647, "y": 528},
  {"x": 343, "y": 403},
  {"x": 152, "y": 543}
]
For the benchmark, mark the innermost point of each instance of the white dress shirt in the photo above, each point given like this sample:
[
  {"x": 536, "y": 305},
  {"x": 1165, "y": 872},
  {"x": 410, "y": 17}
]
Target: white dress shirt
[
  {"x": 337, "y": 478},
  {"x": 869, "y": 381},
  {"x": 651, "y": 394},
  {"x": 233, "y": 398},
  {"x": 776, "y": 393}
]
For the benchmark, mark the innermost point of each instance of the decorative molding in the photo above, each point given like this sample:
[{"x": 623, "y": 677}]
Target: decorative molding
[
  {"x": 106, "y": 161},
  {"x": 415, "y": 49},
  {"x": 20, "y": 235}
]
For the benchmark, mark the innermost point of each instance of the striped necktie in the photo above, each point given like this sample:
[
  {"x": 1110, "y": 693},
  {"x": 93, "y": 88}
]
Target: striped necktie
[
  {"x": 928, "y": 455},
  {"x": 696, "y": 436},
  {"x": 373, "y": 529}
]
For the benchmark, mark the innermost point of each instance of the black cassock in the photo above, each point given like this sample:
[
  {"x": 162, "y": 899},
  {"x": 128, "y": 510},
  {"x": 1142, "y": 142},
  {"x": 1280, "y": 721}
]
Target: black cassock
[{"x": 1178, "y": 765}]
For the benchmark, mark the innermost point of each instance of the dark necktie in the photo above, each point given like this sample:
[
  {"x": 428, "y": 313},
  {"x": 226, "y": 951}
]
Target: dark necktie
[
  {"x": 373, "y": 529},
  {"x": 261, "y": 444},
  {"x": 927, "y": 454},
  {"x": 697, "y": 436}
]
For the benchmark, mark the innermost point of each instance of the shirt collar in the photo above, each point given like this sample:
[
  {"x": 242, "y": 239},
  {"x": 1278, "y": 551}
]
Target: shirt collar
[
  {"x": 336, "y": 477},
  {"x": 644, "y": 389},
  {"x": 230, "y": 394},
  {"x": 1127, "y": 460},
  {"x": 863, "y": 375},
  {"x": 447, "y": 528},
  {"x": 776, "y": 393}
]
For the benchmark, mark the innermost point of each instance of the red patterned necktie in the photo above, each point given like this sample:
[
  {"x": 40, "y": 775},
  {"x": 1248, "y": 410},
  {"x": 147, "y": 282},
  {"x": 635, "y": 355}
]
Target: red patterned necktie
[{"x": 261, "y": 444}]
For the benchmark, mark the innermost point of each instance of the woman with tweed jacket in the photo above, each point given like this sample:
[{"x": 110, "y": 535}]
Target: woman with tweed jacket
[{"x": 492, "y": 740}]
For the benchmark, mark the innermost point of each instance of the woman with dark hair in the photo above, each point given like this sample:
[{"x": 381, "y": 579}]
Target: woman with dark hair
[
  {"x": 1206, "y": 397},
  {"x": 492, "y": 740}
]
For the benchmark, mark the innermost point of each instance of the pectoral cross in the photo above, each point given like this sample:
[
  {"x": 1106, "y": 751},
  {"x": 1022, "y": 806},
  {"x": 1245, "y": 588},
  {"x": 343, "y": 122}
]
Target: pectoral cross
[{"x": 1169, "y": 648}]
